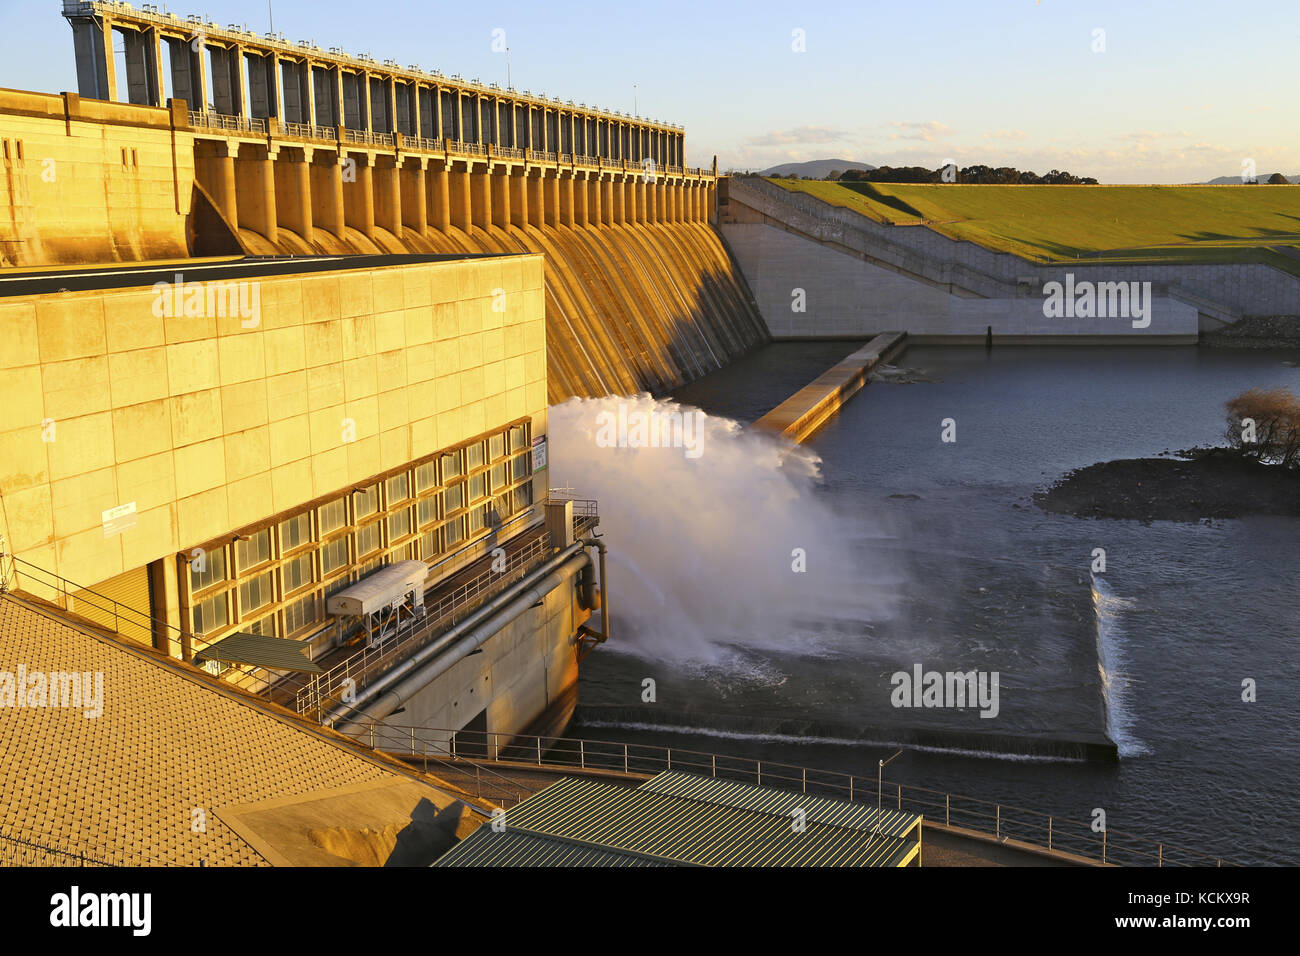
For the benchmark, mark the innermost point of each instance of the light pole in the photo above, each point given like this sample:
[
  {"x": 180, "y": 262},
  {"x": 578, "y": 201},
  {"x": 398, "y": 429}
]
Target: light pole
[
  {"x": 880, "y": 776},
  {"x": 634, "y": 112},
  {"x": 509, "y": 85}
]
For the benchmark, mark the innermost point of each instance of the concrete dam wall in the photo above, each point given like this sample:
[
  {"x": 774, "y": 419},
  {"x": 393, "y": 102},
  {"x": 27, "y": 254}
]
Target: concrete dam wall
[{"x": 640, "y": 292}]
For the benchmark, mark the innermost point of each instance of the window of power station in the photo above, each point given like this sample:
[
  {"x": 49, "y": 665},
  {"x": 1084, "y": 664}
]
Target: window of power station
[{"x": 274, "y": 578}]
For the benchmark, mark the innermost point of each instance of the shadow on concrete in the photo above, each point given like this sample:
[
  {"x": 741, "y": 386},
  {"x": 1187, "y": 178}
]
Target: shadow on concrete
[{"x": 430, "y": 834}]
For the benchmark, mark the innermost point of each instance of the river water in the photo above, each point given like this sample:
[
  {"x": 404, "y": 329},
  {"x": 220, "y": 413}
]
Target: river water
[{"x": 923, "y": 552}]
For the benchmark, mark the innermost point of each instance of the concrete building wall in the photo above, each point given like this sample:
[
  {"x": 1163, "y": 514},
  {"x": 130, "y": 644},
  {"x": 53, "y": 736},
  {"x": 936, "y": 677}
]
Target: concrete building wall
[{"x": 205, "y": 425}]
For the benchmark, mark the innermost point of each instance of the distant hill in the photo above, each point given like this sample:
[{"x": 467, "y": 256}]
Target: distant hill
[
  {"x": 814, "y": 169},
  {"x": 1236, "y": 180}
]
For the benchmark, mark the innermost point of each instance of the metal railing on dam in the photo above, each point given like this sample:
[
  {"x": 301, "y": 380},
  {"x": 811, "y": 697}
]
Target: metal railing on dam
[
  {"x": 210, "y": 123},
  {"x": 1007, "y": 825},
  {"x": 368, "y": 137},
  {"x": 308, "y": 131},
  {"x": 24, "y": 849},
  {"x": 227, "y": 124}
]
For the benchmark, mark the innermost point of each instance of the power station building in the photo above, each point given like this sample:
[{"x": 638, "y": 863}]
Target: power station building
[{"x": 196, "y": 475}]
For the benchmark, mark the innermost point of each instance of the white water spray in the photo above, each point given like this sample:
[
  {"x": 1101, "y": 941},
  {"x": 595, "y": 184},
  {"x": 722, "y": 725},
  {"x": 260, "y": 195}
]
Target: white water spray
[
  {"x": 1111, "y": 666},
  {"x": 703, "y": 546}
]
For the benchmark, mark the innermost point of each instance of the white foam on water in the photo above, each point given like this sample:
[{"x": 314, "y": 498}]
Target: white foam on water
[
  {"x": 1112, "y": 640},
  {"x": 701, "y": 545},
  {"x": 800, "y": 739}
]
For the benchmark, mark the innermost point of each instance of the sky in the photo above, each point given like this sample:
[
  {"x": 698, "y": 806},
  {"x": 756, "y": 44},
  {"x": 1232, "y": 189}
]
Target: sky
[{"x": 1140, "y": 91}]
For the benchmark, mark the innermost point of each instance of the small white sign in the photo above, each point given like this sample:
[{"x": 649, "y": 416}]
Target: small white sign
[
  {"x": 119, "y": 519},
  {"x": 539, "y": 453}
]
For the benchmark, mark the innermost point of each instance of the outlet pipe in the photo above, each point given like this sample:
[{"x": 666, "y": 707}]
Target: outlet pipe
[{"x": 597, "y": 598}]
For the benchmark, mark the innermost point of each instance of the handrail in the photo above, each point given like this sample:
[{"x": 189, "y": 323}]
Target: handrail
[
  {"x": 39, "y": 850},
  {"x": 455, "y": 559},
  {"x": 207, "y": 119},
  {"x": 368, "y": 137},
  {"x": 309, "y": 131},
  {"x": 69, "y": 589},
  {"x": 1002, "y": 821},
  {"x": 515, "y": 790},
  {"x": 582, "y": 507},
  {"x": 252, "y": 678},
  {"x": 392, "y": 650}
]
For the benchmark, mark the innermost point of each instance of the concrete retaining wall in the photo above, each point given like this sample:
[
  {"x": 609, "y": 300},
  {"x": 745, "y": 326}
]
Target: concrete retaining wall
[{"x": 846, "y": 296}]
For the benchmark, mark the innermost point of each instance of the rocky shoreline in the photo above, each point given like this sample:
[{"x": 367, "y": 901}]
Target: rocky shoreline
[
  {"x": 1212, "y": 484},
  {"x": 1257, "y": 332}
]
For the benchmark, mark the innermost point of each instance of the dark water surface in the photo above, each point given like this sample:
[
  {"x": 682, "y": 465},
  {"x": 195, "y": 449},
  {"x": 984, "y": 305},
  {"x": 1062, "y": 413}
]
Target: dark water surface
[{"x": 1152, "y": 654}]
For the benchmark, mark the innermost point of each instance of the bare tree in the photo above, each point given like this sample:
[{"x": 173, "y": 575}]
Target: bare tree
[{"x": 1264, "y": 424}]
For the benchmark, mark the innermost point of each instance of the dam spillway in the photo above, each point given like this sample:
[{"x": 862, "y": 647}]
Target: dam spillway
[
  {"x": 630, "y": 307},
  {"x": 641, "y": 293},
  {"x": 300, "y": 151}
]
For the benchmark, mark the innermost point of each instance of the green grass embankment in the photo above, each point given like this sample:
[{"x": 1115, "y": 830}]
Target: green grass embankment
[{"x": 1130, "y": 224}]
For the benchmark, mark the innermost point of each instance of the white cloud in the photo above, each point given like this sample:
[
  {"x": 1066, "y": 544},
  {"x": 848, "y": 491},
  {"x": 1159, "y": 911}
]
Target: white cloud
[
  {"x": 797, "y": 136},
  {"x": 927, "y": 132}
]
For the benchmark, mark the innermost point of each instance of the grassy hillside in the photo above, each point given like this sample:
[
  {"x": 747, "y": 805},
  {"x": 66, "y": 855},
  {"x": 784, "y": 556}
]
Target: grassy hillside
[{"x": 1097, "y": 223}]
